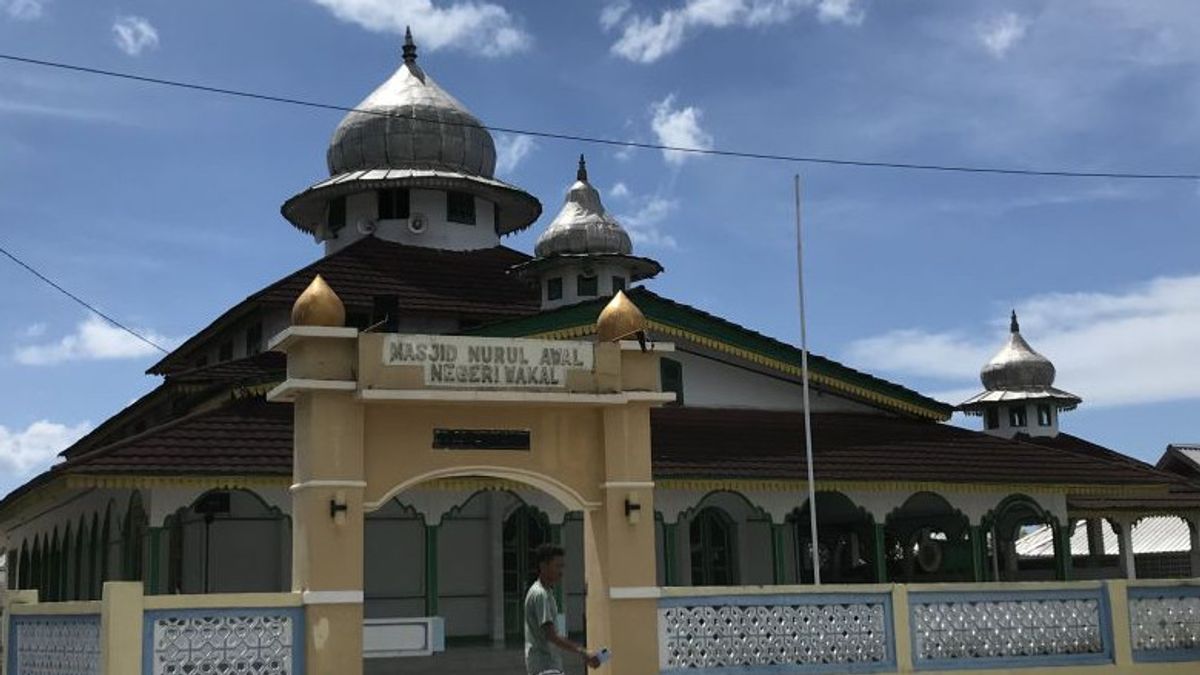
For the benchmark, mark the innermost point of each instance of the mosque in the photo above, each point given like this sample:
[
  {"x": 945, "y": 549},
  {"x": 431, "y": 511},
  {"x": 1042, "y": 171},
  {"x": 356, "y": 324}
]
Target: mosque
[{"x": 189, "y": 490}]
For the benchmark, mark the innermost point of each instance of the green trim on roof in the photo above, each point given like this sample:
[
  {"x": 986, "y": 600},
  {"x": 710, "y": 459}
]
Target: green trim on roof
[{"x": 665, "y": 311}]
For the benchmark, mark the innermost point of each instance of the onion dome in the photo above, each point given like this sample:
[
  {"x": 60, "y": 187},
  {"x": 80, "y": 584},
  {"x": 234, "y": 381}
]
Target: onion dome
[
  {"x": 1017, "y": 365},
  {"x": 411, "y": 133},
  {"x": 620, "y": 319},
  {"x": 411, "y": 122},
  {"x": 318, "y": 305},
  {"x": 584, "y": 231},
  {"x": 583, "y": 226},
  {"x": 1018, "y": 372}
]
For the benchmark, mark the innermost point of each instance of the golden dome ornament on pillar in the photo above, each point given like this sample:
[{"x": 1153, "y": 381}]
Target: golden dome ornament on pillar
[
  {"x": 621, "y": 320},
  {"x": 318, "y": 305}
]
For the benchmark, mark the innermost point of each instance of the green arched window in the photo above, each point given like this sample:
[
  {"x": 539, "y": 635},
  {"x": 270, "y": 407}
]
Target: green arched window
[{"x": 712, "y": 548}]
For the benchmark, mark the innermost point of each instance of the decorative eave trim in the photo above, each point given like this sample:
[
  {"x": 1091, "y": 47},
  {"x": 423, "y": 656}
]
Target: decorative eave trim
[
  {"x": 1138, "y": 511},
  {"x": 799, "y": 486},
  {"x": 134, "y": 481},
  {"x": 828, "y": 381}
]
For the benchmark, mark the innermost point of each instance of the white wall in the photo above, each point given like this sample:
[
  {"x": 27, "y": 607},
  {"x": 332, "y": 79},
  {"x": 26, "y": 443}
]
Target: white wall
[
  {"x": 1007, "y": 430},
  {"x": 708, "y": 382},
  {"x": 439, "y": 233},
  {"x": 569, "y": 273}
]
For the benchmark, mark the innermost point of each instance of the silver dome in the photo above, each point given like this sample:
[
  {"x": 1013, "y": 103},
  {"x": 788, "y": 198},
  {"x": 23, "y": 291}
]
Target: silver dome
[
  {"x": 1017, "y": 366},
  {"x": 583, "y": 226},
  {"x": 410, "y": 122}
]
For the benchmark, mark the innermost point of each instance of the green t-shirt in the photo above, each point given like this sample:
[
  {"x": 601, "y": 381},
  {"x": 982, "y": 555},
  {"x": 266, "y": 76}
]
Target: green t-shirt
[{"x": 540, "y": 609}]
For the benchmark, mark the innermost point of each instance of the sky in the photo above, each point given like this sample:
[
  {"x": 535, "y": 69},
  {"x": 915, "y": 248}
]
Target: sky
[{"x": 161, "y": 206}]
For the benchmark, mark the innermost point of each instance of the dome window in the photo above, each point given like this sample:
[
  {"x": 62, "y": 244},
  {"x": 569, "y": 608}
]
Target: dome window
[
  {"x": 337, "y": 214},
  {"x": 554, "y": 288},
  {"x": 1016, "y": 416},
  {"x": 393, "y": 204},
  {"x": 618, "y": 284},
  {"x": 587, "y": 287},
  {"x": 992, "y": 418},
  {"x": 460, "y": 208},
  {"x": 1045, "y": 417}
]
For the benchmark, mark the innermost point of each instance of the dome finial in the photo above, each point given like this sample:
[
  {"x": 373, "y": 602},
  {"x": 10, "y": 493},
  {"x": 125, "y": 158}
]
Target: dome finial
[
  {"x": 1013, "y": 326},
  {"x": 410, "y": 47},
  {"x": 581, "y": 174}
]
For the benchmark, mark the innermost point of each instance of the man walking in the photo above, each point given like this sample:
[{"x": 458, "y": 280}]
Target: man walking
[{"x": 541, "y": 615}]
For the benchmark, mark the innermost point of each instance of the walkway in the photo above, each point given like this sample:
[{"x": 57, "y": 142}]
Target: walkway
[{"x": 473, "y": 660}]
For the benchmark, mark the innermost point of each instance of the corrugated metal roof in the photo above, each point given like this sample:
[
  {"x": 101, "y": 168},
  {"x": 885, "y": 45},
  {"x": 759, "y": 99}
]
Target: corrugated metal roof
[{"x": 1157, "y": 534}]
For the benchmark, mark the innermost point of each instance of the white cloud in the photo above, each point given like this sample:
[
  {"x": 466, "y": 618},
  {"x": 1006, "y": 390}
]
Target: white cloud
[
  {"x": 484, "y": 28},
  {"x": 678, "y": 127},
  {"x": 24, "y": 10},
  {"x": 644, "y": 223},
  {"x": 34, "y": 448},
  {"x": 612, "y": 14},
  {"x": 1000, "y": 33},
  {"x": 1138, "y": 345},
  {"x": 646, "y": 39},
  {"x": 511, "y": 150},
  {"x": 619, "y": 191},
  {"x": 94, "y": 339},
  {"x": 34, "y": 330},
  {"x": 134, "y": 35}
]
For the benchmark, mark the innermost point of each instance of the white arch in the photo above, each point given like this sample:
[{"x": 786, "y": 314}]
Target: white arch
[{"x": 565, "y": 494}]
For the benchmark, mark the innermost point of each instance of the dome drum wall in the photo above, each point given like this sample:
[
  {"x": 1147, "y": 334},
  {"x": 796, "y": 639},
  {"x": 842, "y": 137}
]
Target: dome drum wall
[{"x": 427, "y": 225}]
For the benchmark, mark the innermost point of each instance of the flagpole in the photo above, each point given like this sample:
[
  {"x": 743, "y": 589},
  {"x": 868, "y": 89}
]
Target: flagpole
[{"x": 808, "y": 453}]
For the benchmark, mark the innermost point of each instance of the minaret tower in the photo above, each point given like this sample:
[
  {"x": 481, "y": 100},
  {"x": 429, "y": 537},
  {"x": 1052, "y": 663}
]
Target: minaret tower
[
  {"x": 584, "y": 253},
  {"x": 412, "y": 165},
  {"x": 1019, "y": 396}
]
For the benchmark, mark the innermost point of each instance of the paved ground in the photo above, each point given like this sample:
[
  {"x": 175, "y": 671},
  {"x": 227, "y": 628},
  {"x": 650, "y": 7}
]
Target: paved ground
[{"x": 466, "y": 660}]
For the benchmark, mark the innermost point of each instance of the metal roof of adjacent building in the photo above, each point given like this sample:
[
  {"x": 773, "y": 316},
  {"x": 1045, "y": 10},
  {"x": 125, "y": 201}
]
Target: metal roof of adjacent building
[{"x": 1156, "y": 534}]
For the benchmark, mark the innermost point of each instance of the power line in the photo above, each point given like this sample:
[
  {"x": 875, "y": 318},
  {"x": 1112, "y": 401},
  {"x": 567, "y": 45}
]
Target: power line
[
  {"x": 91, "y": 308},
  {"x": 914, "y": 166}
]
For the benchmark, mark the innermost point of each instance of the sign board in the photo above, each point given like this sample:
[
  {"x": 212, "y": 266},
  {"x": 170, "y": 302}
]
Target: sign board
[{"x": 479, "y": 362}]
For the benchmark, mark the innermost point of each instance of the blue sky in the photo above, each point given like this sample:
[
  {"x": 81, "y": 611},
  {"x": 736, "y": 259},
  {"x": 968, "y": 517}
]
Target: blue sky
[{"x": 162, "y": 206}]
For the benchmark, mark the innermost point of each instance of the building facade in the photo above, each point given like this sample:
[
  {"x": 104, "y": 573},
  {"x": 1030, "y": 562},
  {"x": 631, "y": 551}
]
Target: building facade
[{"x": 191, "y": 489}]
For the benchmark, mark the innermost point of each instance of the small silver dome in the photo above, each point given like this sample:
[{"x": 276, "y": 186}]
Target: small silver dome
[
  {"x": 410, "y": 122},
  {"x": 583, "y": 226},
  {"x": 1017, "y": 366}
]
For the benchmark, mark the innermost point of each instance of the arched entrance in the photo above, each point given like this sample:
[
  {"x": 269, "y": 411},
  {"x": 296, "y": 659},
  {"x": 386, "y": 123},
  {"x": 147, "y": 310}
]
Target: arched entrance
[
  {"x": 927, "y": 541},
  {"x": 845, "y": 539},
  {"x": 1014, "y": 516},
  {"x": 525, "y": 529},
  {"x": 371, "y": 424}
]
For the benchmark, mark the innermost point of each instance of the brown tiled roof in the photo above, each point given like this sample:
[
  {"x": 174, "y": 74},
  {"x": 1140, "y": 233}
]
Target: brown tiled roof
[
  {"x": 258, "y": 368},
  {"x": 250, "y": 436},
  {"x": 253, "y": 437},
  {"x": 471, "y": 285},
  {"x": 758, "y": 444}
]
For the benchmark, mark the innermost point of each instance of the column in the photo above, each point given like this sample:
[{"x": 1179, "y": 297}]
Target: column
[
  {"x": 1095, "y": 539},
  {"x": 327, "y": 553},
  {"x": 1062, "y": 551},
  {"x": 670, "y": 554},
  {"x": 880, "y": 550},
  {"x": 154, "y": 535},
  {"x": 778, "y": 554},
  {"x": 431, "y": 570},
  {"x": 496, "y": 560},
  {"x": 1193, "y": 523},
  {"x": 1124, "y": 530},
  {"x": 978, "y": 554},
  {"x": 560, "y": 594},
  {"x": 622, "y": 605}
]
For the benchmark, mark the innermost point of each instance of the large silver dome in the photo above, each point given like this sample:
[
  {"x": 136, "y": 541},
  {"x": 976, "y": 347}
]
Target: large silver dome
[
  {"x": 583, "y": 226},
  {"x": 410, "y": 122},
  {"x": 1017, "y": 366}
]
